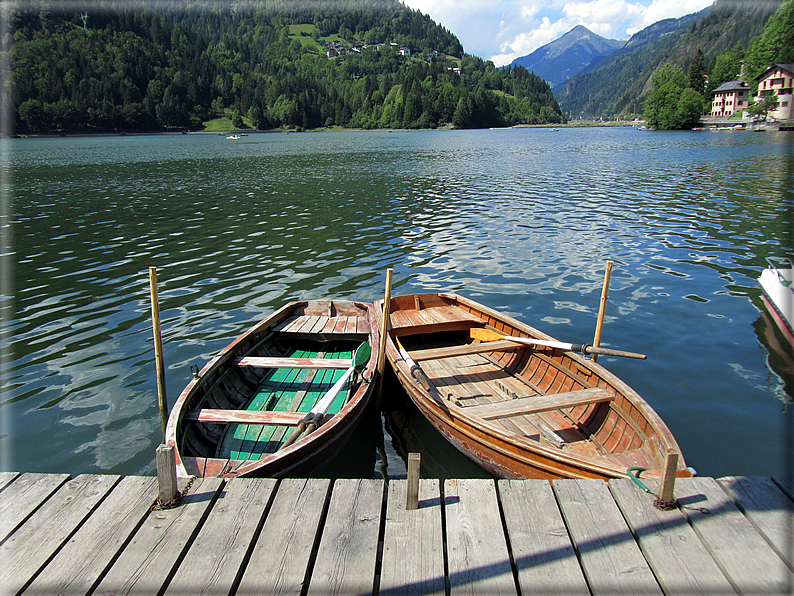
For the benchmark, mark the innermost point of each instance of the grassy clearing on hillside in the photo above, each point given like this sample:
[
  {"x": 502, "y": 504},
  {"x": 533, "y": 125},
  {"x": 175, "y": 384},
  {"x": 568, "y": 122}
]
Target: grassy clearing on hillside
[{"x": 224, "y": 124}]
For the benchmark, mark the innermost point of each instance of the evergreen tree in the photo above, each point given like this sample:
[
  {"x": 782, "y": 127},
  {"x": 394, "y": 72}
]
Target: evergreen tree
[{"x": 697, "y": 70}]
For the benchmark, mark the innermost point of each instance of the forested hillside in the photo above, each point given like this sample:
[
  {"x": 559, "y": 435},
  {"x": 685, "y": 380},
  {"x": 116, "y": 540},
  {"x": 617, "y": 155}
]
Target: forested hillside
[
  {"x": 621, "y": 84},
  {"x": 125, "y": 67}
]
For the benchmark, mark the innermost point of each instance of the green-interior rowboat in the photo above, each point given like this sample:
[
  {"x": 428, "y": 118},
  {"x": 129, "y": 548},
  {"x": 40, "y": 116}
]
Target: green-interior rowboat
[{"x": 281, "y": 399}]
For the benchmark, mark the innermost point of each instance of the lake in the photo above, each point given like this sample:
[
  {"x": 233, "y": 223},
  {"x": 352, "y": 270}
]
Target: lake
[{"x": 521, "y": 220}]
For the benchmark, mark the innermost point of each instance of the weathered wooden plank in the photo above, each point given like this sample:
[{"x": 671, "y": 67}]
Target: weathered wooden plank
[
  {"x": 767, "y": 507},
  {"x": 464, "y": 350},
  {"x": 24, "y": 496},
  {"x": 212, "y": 564},
  {"x": 413, "y": 549},
  {"x": 542, "y": 550},
  {"x": 313, "y": 363},
  {"x": 747, "y": 560},
  {"x": 7, "y": 478},
  {"x": 79, "y": 564},
  {"x": 147, "y": 561},
  {"x": 348, "y": 549},
  {"x": 210, "y": 416},
  {"x": 534, "y": 405},
  {"x": 39, "y": 538},
  {"x": 610, "y": 558},
  {"x": 281, "y": 555},
  {"x": 479, "y": 562},
  {"x": 679, "y": 560}
]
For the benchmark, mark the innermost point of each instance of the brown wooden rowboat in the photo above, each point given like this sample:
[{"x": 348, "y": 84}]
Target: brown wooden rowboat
[
  {"x": 519, "y": 411},
  {"x": 233, "y": 419}
]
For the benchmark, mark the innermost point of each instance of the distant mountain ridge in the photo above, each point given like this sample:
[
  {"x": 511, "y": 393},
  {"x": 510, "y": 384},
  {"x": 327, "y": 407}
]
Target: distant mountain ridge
[
  {"x": 619, "y": 83},
  {"x": 569, "y": 55}
]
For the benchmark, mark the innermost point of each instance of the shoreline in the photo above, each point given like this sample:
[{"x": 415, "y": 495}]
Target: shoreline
[{"x": 248, "y": 131}]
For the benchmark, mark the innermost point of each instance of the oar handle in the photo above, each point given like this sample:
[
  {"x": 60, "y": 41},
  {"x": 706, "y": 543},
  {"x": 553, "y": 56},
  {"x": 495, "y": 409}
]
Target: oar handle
[{"x": 588, "y": 349}]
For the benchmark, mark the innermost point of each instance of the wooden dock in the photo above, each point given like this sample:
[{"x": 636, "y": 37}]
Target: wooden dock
[{"x": 99, "y": 535}]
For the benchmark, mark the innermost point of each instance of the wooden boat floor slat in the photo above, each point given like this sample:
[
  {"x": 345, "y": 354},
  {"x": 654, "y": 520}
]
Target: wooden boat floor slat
[{"x": 292, "y": 391}]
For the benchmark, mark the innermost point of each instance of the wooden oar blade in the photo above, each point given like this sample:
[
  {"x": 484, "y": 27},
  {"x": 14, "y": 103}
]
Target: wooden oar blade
[{"x": 484, "y": 334}]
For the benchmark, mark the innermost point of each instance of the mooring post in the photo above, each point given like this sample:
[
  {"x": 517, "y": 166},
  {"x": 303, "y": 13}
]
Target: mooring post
[
  {"x": 602, "y": 307},
  {"x": 384, "y": 330},
  {"x": 158, "y": 350},
  {"x": 412, "y": 498},
  {"x": 668, "y": 477},
  {"x": 166, "y": 473}
]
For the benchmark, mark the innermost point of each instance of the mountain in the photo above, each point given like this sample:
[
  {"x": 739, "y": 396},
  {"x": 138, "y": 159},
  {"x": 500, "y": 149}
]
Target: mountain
[
  {"x": 619, "y": 84},
  {"x": 569, "y": 55},
  {"x": 154, "y": 65}
]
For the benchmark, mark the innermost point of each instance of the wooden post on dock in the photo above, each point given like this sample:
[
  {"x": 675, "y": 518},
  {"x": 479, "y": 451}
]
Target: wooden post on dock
[
  {"x": 602, "y": 309},
  {"x": 412, "y": 498},
  {"x": 166, "y": 474},
  {"x": 384, "y": 330},
  {"x": 668, "y": 477},
  {"x": 158, "y": 350}
]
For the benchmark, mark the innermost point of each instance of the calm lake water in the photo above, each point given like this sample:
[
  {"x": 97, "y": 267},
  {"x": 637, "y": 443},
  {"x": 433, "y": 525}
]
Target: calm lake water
[{"x": 522, "y": 220}]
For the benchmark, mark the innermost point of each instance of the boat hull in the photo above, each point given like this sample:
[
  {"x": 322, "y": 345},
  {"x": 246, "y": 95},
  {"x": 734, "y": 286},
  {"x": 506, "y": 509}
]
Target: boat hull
[
  {"x": 226, "y": 386},
  {"x": 457, "y": 395},
  {"x": 778, "y": 297}
]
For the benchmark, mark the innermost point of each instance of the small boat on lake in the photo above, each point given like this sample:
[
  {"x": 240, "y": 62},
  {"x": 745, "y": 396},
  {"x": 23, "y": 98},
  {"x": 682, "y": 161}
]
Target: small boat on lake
[
  {"x": 516, "y": 401},
  {"x": 283, "y": 398},
  {"x": 776, "y": 281}
]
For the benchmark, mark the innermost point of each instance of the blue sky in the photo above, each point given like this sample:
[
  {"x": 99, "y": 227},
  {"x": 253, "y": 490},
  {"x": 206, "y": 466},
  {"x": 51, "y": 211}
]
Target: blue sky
[{"x": 502, "y": 30}]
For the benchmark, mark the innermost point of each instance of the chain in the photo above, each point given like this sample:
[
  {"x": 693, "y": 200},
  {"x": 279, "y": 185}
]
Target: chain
[{"x": 160, "y": 506}]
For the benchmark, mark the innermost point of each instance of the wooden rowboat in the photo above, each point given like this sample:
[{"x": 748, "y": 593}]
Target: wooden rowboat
[
  {"x": 236, "y": 417},
  {"x": 520, "y": 411}
]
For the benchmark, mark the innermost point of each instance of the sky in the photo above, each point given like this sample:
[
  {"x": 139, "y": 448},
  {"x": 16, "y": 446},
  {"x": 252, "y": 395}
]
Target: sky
[{"x": 502, "y": 30}]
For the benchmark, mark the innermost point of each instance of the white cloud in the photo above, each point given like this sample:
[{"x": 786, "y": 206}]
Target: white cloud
[{"x": 503, "y": 30}]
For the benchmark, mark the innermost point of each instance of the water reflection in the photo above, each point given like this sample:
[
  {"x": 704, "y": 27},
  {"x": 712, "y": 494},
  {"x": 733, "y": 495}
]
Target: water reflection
[{"x": 517, "y": 219}]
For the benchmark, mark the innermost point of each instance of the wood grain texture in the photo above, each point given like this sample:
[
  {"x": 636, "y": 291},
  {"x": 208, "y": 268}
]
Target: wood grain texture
[
  {"x": 541, "y": 547},
  {"x": 22, "y": 497},
  {"x": 610, "y": 558},
  {"x": 747, "y": 560},
  {"x": 281, "y": 555},
  {"x": 149, "y": 558},
  {"x": 767, "y": 508},
  {"x": 413, "y": 549},
  {"x": 348, "y": 549},
  {"x": 39, "y": 538},
  {"x": 79, "y": 564},
  {"x": 478, "y": 559},
  {"x": 533, "y": 405},
  {"x": 7, "y": 478},
  {"x": 680, "y": 562},
  {"x": 215, "y": 557}
]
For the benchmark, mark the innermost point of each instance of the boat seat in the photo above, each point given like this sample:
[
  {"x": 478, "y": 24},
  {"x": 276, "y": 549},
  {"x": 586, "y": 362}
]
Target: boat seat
[
  {"x": 209, "y": 416},
  {"x": 318, "y": 363},
  {"x": 434, "y": 319},
  {"x": 540, "y": 403}
]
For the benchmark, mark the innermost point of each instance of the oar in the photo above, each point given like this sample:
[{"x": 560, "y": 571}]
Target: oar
[
  {"x": 488, "y": 335},
  {"x": 313, "y": 419}
]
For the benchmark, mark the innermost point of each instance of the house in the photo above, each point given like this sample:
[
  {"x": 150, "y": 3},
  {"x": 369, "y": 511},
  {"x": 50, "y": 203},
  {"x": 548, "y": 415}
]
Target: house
[
  {"x": 405, "y": 52},
  {"x": 729, "y": 98},
  {"x": 777, "y": 80}
]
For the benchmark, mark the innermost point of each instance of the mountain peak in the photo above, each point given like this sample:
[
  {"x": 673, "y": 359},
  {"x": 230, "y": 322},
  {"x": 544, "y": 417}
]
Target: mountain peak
[{"x": 568, "y": 55}]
